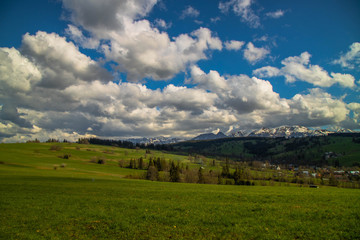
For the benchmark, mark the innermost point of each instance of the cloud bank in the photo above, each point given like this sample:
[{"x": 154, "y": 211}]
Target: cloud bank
[{"x": 50, "y": 89}]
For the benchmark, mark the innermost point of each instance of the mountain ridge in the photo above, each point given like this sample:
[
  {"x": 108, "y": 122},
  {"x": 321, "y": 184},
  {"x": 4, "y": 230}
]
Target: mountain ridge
[{"x": 294, "y": 131}]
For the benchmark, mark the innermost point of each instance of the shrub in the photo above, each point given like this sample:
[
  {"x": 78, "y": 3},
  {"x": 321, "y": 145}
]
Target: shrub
[
  {"x": 55, "y": 148},
  {"x": 229, "y": 181},
  {"x": 101, "y": 161},
  {"x": 65, "y": 156},
  {"x": 152, "y": 174},
  {"x": 98, "y": 160}
]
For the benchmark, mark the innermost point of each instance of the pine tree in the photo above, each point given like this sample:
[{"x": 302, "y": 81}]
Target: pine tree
[
  {"x": 237, "y": 176},
  {"x": 226, "y": 169},
  {"x": 174, "y": 173},
  {"x": 151, "y": 163},
  {"x": 140, "y": 163},
  {"x": 201, "y": 176}
]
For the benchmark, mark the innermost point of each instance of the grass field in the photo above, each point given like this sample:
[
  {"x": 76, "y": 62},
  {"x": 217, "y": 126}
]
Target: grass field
[{"x": 93, "y": 201}]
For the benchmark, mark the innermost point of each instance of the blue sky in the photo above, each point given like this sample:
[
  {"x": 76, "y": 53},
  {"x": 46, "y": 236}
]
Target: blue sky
[{"x": 126, "y": 68}]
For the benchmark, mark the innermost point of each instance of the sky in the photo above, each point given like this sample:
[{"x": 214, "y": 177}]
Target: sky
[{"x": 143, "y": 68}]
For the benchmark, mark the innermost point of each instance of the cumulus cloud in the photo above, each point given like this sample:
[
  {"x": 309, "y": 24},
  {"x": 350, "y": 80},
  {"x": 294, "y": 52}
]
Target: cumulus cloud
[
  {"x": 139, "y": 49},
  {"x": 243, "y": 9},
  {"x": 277, "y": 14},
  {"x": 239, "y": 92},
  {"x": 48, "y": 88},
  {"x": 256, "y": 104},
  {"x": 99, "y": 108},
  {"x": 60, "y": 62},
  {"x": 106, "y": 16},
  {"x": 9, "y": 113},
  {"x": 253, "y": 54},
  {"x": 16, "y": 71},
  {"x": 234, "y": 45},
  {"x": 157, "y": 56},
  {"x": 351, "y": 59},
  {"x": 77, "y": 35},
  {"x": 299, "y": 68},
  {"x": 189, "y": 12},
  {"x": 211, "y": 81},
  {"x": 318, "y": 108},
  {"x": 266, "y": 72}
]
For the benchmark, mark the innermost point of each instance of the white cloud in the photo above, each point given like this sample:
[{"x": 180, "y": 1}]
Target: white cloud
[
  {"x": 189, "y": 12},
  {"x": 215, "y": 19},
  {"x": 243, "y": 9},
  {"x": 16, "y": 71},
  {"x": 145, "y": 52},
  {"x": 102, "y": 17},
  {"x": 140, "y": 50},
  {"x": 60, "y": 62},
  {"x": 211, "y": 81},
  {"x": 277, "y": 14},
  {"x": 77, "y": 35},
  {"x": 50, "y": 89},
  {"x": 266, "y": 72},
  {"x": 253, "y": 54},
  {"x": 239, "y": 93},
  {"x": 345, "y": 80},
  {"x": 351, "y": 59},
  {"x": 299, "y": 68},
  {"x": 318, "y": 108},
  {"x": 160, "y": 23},
  {"x": 234, "y": 45}
]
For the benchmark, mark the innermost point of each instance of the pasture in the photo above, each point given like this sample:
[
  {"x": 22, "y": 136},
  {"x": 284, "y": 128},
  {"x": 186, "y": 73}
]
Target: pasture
[{"x": 84, "y": 200}]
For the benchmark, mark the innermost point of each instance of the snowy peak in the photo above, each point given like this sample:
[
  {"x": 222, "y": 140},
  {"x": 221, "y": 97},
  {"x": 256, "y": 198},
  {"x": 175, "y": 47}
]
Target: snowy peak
[{"x": 283, "y": 131}]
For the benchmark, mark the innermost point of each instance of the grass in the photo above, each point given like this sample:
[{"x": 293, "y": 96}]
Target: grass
[{"x": 92, "y": 201}]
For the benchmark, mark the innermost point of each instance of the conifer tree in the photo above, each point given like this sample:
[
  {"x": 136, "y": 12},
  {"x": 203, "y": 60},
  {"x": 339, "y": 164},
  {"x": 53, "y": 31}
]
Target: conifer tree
[
  {"x": 140, "y": 163},
  {"x": 174, "y": 173},
  {"x": 201, "y": 176}
]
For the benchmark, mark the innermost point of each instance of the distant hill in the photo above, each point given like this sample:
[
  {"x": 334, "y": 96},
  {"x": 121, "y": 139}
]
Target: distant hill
[
  {"x": 154, "y": 140},
  {"x": 310, "y": 150},
  {"x": 210, "y": 136}
]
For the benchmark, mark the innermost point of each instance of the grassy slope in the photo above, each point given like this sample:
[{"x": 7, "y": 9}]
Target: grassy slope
[{"x": 91, "y": 201}]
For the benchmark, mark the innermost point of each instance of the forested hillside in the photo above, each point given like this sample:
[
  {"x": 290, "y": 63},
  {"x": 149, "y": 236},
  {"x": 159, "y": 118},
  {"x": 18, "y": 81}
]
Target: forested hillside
[{"x": 333, "y": 150}]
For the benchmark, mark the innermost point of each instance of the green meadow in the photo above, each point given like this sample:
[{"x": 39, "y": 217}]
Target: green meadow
[{"x": 45, "y": 196}]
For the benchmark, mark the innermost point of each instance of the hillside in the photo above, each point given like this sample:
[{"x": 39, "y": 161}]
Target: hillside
[
  {"x": 58, "y": 191},
  {"x": 301, "y": 151}
]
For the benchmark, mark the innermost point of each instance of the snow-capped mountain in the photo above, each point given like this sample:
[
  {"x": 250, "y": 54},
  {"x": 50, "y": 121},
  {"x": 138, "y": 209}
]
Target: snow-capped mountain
[
  {"x": 155, "y": 140},
  {"x": 209, "y": 136},
  {"x": 283, "y": 131}
]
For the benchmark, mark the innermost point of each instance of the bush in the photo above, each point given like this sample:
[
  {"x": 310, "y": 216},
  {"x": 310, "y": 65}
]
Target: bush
[
  {"x": 101, "y": 161},
  {"x": 229, "y": 181},
  {"x": 152, "y": 174},
  {"x": 98, "y": 160},
  {"x": 56, "y": 148},
  {"x": 65, "y": 156}
]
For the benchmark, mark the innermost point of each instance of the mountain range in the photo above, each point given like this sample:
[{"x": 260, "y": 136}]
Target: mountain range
[{"x": 282, "y": 131}]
